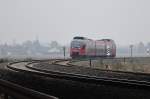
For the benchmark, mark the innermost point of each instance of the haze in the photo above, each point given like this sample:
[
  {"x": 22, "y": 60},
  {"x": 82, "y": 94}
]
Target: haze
[{"x": 125, "y": 21}]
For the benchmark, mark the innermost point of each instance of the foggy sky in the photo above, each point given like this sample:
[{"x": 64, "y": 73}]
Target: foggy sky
[{"x": 125, "y": 21}]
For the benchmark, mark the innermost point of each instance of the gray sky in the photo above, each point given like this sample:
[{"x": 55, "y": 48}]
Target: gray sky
[{"x": 125, "y": 21}]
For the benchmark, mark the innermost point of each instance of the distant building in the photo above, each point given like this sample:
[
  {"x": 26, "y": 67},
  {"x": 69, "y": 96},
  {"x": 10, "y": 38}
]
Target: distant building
[{"x": 141, "y": 50}]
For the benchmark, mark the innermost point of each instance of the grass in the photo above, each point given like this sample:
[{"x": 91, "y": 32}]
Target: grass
[{"x": 122, "y": 64}]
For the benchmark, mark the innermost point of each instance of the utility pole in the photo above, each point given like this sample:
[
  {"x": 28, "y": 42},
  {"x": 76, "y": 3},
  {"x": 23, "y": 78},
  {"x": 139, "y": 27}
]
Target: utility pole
[
  {"x": 131, "y": 47},
  {"x": 90, "y": 62},
  {"x": 64, "y": 50},
  {"x": 95, "y": 48}
]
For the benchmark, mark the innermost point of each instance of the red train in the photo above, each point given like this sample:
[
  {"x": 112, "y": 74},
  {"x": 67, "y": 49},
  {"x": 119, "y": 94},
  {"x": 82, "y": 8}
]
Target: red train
[{"x": 84, "y": 47}]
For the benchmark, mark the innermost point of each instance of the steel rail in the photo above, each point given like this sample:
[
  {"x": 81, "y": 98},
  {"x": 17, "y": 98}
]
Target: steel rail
[
  {"x": 87, "y": 78},
  {"x": 19, "y": 92},
  {"x": 84, "y": 78}
]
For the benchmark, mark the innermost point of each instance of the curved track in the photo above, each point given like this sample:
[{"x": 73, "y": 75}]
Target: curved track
[
  {"x": 55, "y": 76},
  {"x": 88, "y": 75}
]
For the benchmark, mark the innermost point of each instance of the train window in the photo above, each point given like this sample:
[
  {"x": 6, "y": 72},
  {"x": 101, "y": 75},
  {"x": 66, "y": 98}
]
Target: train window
[{"x": 75, "y": 45}]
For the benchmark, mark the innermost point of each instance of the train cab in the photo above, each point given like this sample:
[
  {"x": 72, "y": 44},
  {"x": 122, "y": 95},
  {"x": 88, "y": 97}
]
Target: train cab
[{"x": 78, "y": 47}]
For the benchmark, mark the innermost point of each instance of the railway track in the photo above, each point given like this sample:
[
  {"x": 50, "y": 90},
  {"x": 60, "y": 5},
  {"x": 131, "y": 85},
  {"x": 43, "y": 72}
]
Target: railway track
[
  {"x": 76, "y": 77},
  {"x": 10, "y": 90},
  {"x": 61, "y": 68}
]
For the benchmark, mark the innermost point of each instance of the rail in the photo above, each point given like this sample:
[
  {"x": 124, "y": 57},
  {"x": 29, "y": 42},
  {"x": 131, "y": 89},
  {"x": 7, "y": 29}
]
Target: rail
[
  {"x": 90, "y": 79},
  {"x": 9, "y": 89},
  {"x": 86, "y": 78}
]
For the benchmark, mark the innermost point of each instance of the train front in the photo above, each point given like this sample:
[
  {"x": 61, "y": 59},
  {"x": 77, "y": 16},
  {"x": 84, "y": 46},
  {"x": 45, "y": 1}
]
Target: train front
[{"x": 77, "y": 48}]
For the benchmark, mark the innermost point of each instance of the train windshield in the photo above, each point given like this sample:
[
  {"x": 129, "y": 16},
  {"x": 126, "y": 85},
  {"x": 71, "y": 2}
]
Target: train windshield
[{"x": 76, "y": 44}]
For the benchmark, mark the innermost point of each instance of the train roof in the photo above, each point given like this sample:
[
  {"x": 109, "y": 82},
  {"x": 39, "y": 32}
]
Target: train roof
[
  {"x": 105, "y": 40},
  {"x": 84, "y": 38},
  {"x": 79, "y": 37}
]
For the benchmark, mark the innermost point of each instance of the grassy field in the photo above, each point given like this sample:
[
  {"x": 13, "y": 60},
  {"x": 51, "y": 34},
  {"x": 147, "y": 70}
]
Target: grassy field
[{"x": 135, "y": 64}]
